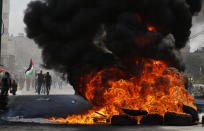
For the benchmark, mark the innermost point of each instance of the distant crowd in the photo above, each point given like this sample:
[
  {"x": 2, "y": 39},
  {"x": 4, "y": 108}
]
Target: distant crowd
[{"x": 41, "y": 83}]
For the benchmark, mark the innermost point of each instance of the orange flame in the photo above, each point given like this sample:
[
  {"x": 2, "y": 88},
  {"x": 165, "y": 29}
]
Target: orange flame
[
  {"x": 151, "y": 28},
  {"x": 158, "y": 90}
]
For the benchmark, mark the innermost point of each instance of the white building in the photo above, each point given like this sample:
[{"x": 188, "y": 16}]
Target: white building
[
  {"x": 25, "y": 49},
  {"x": 7, "y": 47}
]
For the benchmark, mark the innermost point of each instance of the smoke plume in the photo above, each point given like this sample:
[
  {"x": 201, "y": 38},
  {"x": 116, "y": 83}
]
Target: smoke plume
[
  {"x": 200, "y": 17},
  {"x": 79, "y": 36}
]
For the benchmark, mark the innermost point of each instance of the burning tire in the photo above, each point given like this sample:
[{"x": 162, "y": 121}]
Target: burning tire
[
  {"x": 135, "y": 112},
  {"x": 193, "y": 112},
  {"x": 173, "y": 119},
  {"x": 123, "y": 120},
  {"x": 152, "y": 119}
]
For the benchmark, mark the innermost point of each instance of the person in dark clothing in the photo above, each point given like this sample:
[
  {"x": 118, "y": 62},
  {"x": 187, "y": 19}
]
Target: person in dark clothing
[
  {"x": 14, "y": 86},
  {"x": 6, "y": 84},
  {"x": 36, "y": 81},
  {"x": 40, "y": 81},
  {"x": 48, "y": 82},
  {"x": 43, "y": 87}
]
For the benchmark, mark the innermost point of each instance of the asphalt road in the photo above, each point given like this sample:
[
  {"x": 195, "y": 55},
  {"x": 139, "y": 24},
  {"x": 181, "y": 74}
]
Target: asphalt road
[
  {"x": 199, "y": 101},
  {"x": 45, "y": 106},
  {"x": 31, "y": 108},
  {"x": 37, "y": 106},
  {"x": 37, "y": 127}
]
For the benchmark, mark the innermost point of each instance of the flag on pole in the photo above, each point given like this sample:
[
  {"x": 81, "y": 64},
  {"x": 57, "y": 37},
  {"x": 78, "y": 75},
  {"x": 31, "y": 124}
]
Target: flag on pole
[
  {"x": 30, "y": 70},
  {"x": 2, "y": 70}
]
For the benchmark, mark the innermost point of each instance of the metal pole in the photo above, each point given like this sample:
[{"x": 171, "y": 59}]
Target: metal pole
[{"x": 1, "y": 6}]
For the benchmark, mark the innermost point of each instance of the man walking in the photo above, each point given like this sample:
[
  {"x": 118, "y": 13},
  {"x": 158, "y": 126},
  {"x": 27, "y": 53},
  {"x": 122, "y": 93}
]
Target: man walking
[
  {"x": 39, "y": 81},
  {"x": 21, "y": 81},
  {"x": 28, "y": 83},
  {"x": 48, "y": 82},
  {"x": 6, "y": 84},
  {"x": 14, "y": 86}
]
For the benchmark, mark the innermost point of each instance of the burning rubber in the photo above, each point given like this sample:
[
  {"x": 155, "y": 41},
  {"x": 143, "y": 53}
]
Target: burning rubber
[
  {"x": 119, "y": 54},
  {"x": 144, "y": 100}
]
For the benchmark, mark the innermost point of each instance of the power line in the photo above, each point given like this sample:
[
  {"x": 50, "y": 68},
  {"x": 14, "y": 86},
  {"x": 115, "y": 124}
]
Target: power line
[{"x": 196, "y": 35}]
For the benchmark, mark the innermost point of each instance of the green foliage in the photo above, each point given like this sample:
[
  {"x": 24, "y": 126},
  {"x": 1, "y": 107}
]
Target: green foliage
[{"x": 195, "y": 66}]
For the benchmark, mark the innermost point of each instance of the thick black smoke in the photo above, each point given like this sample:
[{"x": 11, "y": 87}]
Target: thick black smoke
[
  {"x": 79, "y": 36},
  {"x": 199, "y": 19}
]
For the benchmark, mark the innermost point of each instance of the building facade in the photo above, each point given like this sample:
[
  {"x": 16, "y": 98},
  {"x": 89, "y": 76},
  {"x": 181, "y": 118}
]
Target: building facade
[
  {"x": 186, "y": 49},
  {"x": 7, "y": 46},
  {"x": 25, "y": 49}
]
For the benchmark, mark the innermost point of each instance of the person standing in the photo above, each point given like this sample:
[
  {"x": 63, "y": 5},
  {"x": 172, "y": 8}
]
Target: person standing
[
  {"x": 33, "y": 81},
  {"x": 54, "y": 81},
  {"x": 21, "y": 81},
  {"x": 14, "y": 87},
  {"x": 28, "y": 83},
  {"x": 48, "y": 82},
  {"x": 39, "y": 82},
  {"x": 43, "y": 87},
  {"x": 60, "y": 82},
  {"x": 6, "y": 84},
  {"x": 36, "y": 81}
]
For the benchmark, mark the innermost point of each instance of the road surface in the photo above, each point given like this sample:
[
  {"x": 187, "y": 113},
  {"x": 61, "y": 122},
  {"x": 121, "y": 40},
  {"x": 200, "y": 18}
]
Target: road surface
[
  {"x": 31, "y": 109},
  {"x": 47, "y": 127},
  {"x": 45, "y": 106}
]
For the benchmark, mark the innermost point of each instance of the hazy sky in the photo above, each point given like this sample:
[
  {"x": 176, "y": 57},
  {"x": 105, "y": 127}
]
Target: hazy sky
[
  {"x": 17, "y": 8},
  {"x": 17, "y": 26}
]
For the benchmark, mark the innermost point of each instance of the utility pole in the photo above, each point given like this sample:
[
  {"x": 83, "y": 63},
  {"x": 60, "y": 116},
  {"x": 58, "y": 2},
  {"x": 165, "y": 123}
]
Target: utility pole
[{"x": 1, "y": 8}]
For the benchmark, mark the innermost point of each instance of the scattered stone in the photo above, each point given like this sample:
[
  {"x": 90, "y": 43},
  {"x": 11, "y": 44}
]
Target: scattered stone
[
  {"x": 173, "y": 119},
  {"x": 123, "y": 120},
  {"x": 152, "y": 119},
  {"x": 73, "y": 101}
]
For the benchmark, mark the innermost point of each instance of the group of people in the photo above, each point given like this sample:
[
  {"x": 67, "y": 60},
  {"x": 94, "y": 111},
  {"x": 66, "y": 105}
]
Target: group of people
[
  {"x": 32, "y": 82},
  {"x": 7, "y": 84},
  {"x": 43, "y": 84},
  {"x": 40, "y": 82}
]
